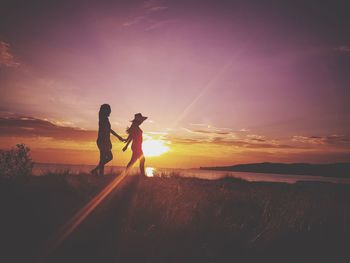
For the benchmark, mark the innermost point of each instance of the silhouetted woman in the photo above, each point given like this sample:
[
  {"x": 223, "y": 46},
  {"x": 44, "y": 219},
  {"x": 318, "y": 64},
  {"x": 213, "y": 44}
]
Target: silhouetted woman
[
  {"x": 135, "y": 136},
  {"x": 103, "y": 140}
]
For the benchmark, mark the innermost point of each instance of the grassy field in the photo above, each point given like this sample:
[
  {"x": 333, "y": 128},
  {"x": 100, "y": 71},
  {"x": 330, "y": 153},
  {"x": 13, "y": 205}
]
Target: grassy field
[{"x": 173, "y": 219}]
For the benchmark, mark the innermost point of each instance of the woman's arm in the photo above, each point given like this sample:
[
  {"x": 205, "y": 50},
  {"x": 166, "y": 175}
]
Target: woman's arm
[
  {"x": 119, "y": 137},
  {"x": 128, "y": 140}
]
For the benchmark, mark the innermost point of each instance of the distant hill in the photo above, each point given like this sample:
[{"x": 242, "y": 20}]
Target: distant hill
[{"x": 331, "y": 170}]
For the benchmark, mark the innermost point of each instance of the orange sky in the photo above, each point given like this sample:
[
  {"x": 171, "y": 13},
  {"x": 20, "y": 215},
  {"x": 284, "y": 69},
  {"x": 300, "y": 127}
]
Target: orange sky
[{"x": 197, "y": 145}]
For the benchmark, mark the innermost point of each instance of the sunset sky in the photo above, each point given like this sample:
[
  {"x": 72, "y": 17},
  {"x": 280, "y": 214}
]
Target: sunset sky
[{"x": 222, "y": 82}]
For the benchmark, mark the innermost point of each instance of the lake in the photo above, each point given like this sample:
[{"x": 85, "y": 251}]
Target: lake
[{"x": 40, "y": 169}]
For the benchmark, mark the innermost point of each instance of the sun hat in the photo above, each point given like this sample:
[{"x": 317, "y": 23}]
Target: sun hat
[{"x": 139, "y": 118}]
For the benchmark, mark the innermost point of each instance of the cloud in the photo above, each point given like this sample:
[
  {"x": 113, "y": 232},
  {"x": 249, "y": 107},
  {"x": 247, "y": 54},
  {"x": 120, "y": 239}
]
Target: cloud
[
  {"x": 33, "y": 127},
  {"x": 208, "y": 129},
  {"x": 200, "y": 124},
  {"x": 336, "y": 139},
  {"x": 333, "y": 139},
  {"x": 147, "y": 16},
  {"x": 152, "y": 6},
  {"x": 211, "y": 132},
  {"x": 179, "y": 140},
  {"x": 257, "y": 138},
  {"x": 232, "y": 142},
  {"x": 29, "y": 127},
  {"x": 248, "y": 143},
  {"x": 207, "y": 134},
  {"x": 343, "y": 48},
  {"x": 134, "y": 21},
  {"x": 308, "y": 140},
  {"x": 157, "y": 133},
  {"x": 159, "y": 24},
  {"x": 6, "y": 57}
]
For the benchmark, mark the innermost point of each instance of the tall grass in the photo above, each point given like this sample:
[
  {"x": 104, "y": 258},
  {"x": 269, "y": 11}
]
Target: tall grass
[{"x": 176, "y": 219}]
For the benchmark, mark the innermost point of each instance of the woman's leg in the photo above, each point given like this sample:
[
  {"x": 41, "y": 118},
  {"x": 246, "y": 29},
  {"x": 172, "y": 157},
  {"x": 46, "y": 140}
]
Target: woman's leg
[
  {"x": 108, "y": 157},
  {"x": 97, "y": 169},
  {"x": 105, "y": 157},
  {"x": 132, "y": 160},
  {"x": 142, "y": 165}
]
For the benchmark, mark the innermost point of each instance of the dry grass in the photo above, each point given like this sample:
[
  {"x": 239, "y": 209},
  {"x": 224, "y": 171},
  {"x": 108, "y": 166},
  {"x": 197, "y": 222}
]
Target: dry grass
[
  {"x": 230, "y": 217},
  {"x": 173, "y": 219}
]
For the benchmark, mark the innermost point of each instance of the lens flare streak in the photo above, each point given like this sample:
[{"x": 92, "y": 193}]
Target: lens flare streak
[{"x": 82, "y": 214}]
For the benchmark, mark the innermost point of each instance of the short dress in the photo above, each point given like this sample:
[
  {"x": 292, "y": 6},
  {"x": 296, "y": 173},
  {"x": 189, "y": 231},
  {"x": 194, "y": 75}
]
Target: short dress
[
  {"x": 136, "y": 147},
  {"x": 103, "y": 140}
]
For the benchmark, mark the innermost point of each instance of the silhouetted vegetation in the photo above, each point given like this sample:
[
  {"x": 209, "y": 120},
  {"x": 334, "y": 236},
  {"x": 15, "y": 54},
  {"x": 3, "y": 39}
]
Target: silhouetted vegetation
[
  {"x": 174, "y": 219},
  {"x": 331, "y": 170},
  {"x": 15, "y": 162}
]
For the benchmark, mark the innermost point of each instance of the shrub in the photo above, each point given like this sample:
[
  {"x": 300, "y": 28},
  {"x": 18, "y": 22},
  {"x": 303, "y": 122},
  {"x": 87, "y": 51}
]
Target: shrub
[{"x": 15, "y": 162}]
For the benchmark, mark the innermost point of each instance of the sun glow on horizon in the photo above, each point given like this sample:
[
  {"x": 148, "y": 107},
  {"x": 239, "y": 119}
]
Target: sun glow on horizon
[
  {"x": 152, "y": 147},
  {"x": 150, "y": 171}
]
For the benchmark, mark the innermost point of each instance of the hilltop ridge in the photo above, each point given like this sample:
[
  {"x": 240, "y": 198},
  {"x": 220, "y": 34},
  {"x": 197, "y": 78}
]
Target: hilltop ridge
[{"x": 330, "y": 170}]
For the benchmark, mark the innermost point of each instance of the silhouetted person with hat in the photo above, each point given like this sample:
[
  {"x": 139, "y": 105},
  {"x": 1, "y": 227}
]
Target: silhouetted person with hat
[
  {"x": 103, "y": 140},
  {"x": 135, "y": 136}
]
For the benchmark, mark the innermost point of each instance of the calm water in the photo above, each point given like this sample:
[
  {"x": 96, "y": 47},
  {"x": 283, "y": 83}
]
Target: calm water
[{"x": 40, "y": 169}]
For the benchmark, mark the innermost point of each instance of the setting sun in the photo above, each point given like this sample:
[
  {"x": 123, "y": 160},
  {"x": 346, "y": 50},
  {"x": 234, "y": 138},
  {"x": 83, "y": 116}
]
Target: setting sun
[
  {"x": 149, "y": 171},
  {"x": 153, "y": 147}
]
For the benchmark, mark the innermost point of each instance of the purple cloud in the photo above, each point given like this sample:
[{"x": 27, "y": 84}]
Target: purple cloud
[{"x": 6, "y": 57}]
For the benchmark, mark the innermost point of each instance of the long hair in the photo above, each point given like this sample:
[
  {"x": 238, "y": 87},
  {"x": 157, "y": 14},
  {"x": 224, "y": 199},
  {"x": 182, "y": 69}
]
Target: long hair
[
  {"x": 129, "y": 129},
  {"x": 134, "y": 124},
  {"x": 104, "y": 112}
]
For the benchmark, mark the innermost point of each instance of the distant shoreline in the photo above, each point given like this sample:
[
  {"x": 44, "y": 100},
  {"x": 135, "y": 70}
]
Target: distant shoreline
[
  {"x": 328, "y": 170},
  {"x": 335, "y": 170}
]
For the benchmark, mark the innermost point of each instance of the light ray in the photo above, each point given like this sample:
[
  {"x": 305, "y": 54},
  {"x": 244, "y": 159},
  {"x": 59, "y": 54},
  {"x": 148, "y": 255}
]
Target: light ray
[
  {"x": 220, "y": 73},
  {"x": 81, "y": 215},
  {"x": 209, "y": 85}
]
